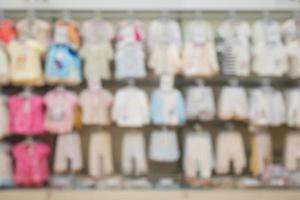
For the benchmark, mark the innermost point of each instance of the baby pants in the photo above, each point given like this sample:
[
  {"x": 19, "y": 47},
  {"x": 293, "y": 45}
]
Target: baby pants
[
  {"x": 230, "y": 147},
  {"x": 133, "y": 154},
  {"x": 233, "y": 103},
  {"x": 261, "y": 153},
  {"x": 164, "y": 146},
  {"x": 292, "y": 151},
  {"x": 100, "y": 155},
  {"x": 198, "y": 155},
  {"x": 68, "y": 149}
]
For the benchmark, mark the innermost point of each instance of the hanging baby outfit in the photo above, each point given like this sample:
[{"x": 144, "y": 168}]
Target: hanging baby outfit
[
  {"x": 261, "y": 153},
  {"x": 292, "y": 151},
  {"x": 198, "y": 155},
  {"x": 131, "y": 107},
  {"x": 233, "y": 103},
  {"x": 26, "y": 114},
  {"x": 167, "y": 107},
  {"x": 234, "y": 50},
  {"x": 100, "y": 155},
  {"x": 97, "y": 50},
  {"x": 164, "y": 43},
  {"x": 164, "y": 146},
  {"x": 134, "y": 154},
  {"x": 230, "y": 147},
  {"x": 31, "y": 163},
  {"x": 60, "y": 111},
  {"x": 130, "y": 58},
  {"x": 6, "y": 166},
  {"x": 293, "y": 107},
  {"x": 4, "y": 65},
  {"x": 266, "y": 107},
  {"x": 96, "y": 106},
  {"x": 200, "y": 103},
  {"x": 4, "y": 116},
  {"x": 68, "y": 148}
]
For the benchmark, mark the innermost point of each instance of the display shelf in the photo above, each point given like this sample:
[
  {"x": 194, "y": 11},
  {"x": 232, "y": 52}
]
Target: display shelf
[{"x": 47, "y": 194}]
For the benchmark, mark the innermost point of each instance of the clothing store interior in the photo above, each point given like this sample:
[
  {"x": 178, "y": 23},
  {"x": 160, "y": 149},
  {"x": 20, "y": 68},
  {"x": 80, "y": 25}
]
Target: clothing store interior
[{"x": 152, "y": 99}]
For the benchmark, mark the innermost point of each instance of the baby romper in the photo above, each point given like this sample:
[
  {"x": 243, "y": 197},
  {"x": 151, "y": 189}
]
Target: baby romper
[
  {"x": 292, "y": 151},
  {"x": 100, "y": 155},
  {"x": 198, "y": 155},
  {"x": 230, "y": 147},
  {"x": 68, "y": 148},
  {"x": 134, "y": 154}
]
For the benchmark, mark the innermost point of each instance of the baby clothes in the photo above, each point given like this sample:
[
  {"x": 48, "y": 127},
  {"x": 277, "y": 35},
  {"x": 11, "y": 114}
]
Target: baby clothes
[
  {"x": 66, "y": 32},
  {"x": 60, "y": 105},
  {"x": 97, "y": 58},
  {"x": 293, "y": 107},
  {"x": 167, "y": 107},
  {"x": 100, "y": 155},
  {"x": 31, "y": 163},
  {"x": 165, "y": 59},
  {"x": 37, "y": 29},
  {"x": 293, "y": 56},
  {"x": 261, "y": 153},
  {"x": 162, "y": 32},
  {"x": 4, "y": 117},
  {"x": 26, "y": 115},
  {"x": 291, "y": 30},
  {"x": 234, "y": 51},
  {"x": 131, "y": 107},
  {"x": 8, "y": 31},
  {"x": 68, "y": 149},
  {"x": 234, "y": 55},
  {"x": 233, "y": 103},
  {"x": 4, "y": 65},
  {"x": 200, "y": 103},
  {"x": 97, "y": 50},
  {"x": 230, "y": 147},
  {"x": 63, "y": 65},
  {"x": 96, "y": 106},
  {"x": 6, "y": 167},
  {"x": 199, "y": 59},
  {"x": 198, "y": 155},
  {"x": 292, "y": 151},
  {"x": 130, "y": 61},
  {"x": 269, "y": 59},
  {"x": 134, "y": 154},
  {"x": 26, "y": 64},
  {"x": 266, "y": 107},
  {"x": 164, "y": 146}
]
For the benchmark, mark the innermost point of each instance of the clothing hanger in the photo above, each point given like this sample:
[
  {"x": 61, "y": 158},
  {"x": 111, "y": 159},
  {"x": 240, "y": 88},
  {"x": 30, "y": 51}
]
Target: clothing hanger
[
  {"x": 130, "y": 16},
  {"x": 60, "y": 88},
  {"x": 200, "y": 82},
  {"x": 27, "y": 92},
  {"x": 166, "y": 82},
  {"x": 94, "y": 85},
  {"x": 198, "y": 16},
  {"x": 198, "y": 128},
  {"x": 66, "y": 15},
  {"x": 29, "y": 140},
  {"x": 97, "y": 15},
  {"x": 131, "y": 82},
  {"x": 229, "y": 126},
  {"x": 234, "y": 82},
  {"x": 267, "y": 16},
  {"x": 2, "y": 14},
  {"x": 232, "y": 16},
  {"x": 266, "y": 83},
  {"x": 31, "y": 14}
]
